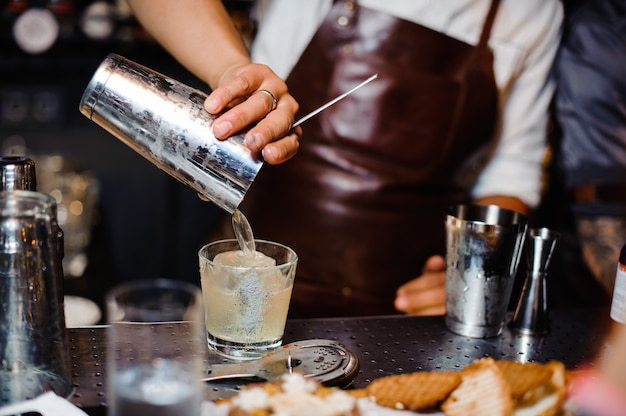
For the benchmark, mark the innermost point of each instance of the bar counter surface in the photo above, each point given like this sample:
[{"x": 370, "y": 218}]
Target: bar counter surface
[{"x": 384, "y": 345}]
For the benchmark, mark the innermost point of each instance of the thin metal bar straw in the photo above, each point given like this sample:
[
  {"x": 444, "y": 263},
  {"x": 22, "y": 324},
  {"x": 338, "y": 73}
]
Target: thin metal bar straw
[{"x": 333, "y": 101}]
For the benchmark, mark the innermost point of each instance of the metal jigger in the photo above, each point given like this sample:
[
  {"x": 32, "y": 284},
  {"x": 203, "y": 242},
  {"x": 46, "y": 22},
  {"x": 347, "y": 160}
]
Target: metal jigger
[{"x": 531, "y": 314}]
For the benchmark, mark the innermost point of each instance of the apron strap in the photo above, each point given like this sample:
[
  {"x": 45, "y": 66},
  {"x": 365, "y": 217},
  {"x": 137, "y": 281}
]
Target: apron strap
[{"x": 491, "y": 16}]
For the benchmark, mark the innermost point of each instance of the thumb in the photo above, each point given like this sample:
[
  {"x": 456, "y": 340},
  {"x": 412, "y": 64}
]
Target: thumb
[{"x": 435, "y": 264}]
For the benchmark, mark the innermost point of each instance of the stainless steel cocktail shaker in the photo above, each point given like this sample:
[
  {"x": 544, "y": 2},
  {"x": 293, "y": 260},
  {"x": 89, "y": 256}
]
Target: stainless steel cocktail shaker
[
  {"x": 483, "y": 250},
  {"x": 165, "y": 121}
]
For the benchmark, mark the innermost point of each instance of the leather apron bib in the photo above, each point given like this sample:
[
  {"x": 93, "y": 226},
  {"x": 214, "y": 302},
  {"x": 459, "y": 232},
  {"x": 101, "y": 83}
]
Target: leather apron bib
[{"x": 363, "y": 202}]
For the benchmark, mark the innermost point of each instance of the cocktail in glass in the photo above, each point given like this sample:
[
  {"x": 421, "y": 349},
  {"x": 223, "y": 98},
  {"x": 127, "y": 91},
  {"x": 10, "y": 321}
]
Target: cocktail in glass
[{"x": 246, "y": 296}]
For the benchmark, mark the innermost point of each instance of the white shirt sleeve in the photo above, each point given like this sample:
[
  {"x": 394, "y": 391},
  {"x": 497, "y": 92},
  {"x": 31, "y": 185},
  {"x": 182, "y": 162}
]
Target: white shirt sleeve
[
  {"x": 524, "y": 39},
  {"x": 524, "y": 50}
]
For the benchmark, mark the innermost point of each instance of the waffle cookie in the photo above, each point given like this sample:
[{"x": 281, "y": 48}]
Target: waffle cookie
[{"x": 413, "y": 391}]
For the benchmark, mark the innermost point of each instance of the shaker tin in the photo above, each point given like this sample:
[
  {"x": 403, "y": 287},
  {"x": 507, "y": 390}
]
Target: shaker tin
[{"x": 165, "y": 121}]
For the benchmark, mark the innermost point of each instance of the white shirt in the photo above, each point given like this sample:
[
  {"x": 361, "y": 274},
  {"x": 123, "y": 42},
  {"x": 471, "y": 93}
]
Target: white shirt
[{"x": 524, "y": 39}]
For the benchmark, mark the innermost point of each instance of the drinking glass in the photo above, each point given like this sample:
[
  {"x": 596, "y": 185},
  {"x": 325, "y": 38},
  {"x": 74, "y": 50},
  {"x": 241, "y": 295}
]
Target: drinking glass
[
  {"x": 34, "y": 357},
  {"x": 155, "y": 348},
  {"x": 246, "y": 306}
]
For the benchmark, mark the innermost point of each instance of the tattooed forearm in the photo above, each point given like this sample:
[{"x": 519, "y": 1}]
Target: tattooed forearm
[{"x": 601, "y": 240}]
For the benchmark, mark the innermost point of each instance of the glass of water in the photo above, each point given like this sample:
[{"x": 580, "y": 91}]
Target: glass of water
[{"x": 155, "y": 348}]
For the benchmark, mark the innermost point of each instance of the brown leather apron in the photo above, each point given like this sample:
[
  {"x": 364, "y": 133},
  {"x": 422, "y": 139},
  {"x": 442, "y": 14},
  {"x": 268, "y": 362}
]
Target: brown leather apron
[{"x": 363, "y": 201}]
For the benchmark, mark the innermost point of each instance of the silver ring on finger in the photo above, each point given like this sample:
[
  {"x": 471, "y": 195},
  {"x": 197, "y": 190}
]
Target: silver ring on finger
[{"x": 269, "y": 94}]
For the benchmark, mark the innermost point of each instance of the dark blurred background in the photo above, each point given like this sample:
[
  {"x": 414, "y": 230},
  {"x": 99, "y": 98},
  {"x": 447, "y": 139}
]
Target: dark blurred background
[{"x": 144, "y": 224}]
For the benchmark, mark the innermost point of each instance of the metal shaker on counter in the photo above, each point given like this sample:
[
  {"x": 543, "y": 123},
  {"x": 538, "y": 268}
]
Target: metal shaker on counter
[
  {"x": 483, "y": 250},
  {"x": 165, "y": 121}
]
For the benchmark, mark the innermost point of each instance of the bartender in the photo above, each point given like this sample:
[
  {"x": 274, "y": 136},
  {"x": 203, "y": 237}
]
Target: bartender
[{"x": 458, "y": 113}]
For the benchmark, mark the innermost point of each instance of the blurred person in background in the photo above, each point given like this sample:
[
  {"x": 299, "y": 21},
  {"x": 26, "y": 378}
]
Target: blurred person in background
[
  {"x": 458, "y": 114},
  {"x": 586, "y": 201},
  {"x": 588, "y": 196}
]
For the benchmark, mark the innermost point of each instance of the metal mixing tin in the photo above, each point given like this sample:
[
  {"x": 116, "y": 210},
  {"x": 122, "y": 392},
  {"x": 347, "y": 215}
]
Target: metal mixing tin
[{"x": 165, "y": 121}]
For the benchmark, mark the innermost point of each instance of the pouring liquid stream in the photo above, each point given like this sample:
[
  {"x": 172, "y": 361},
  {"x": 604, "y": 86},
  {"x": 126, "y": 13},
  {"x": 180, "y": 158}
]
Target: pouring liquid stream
[
  {"x": 247, "y": 256},
  {"x": 243, "y": 232}
]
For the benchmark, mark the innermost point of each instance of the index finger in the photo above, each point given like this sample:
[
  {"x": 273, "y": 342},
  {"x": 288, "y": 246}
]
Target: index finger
[{"x": 242, "y": 84}]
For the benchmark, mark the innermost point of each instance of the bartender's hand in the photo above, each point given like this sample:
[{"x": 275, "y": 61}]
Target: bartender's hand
[
  {"x": 223, "y": 62},
  {"x": 254, "y": 93},
  {"x": 426, "y": 294}
]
